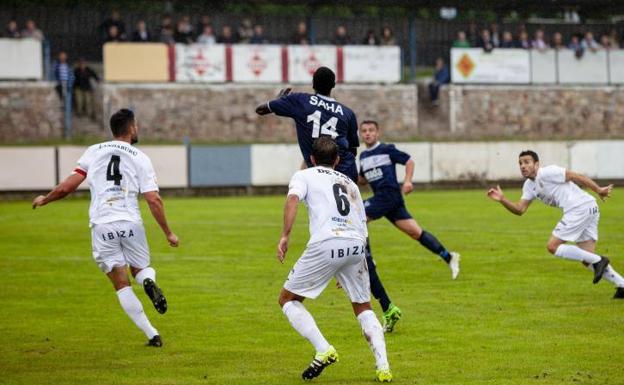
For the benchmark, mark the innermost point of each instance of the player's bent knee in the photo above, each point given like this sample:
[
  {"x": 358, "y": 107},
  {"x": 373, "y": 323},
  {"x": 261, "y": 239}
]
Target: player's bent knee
[
  {"x": 360, "y": 307},
  {"x": 552, "y": 247}
]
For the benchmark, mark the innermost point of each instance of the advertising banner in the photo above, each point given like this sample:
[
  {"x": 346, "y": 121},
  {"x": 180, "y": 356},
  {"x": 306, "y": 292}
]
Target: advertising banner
[
  {"x": 200, "y": 63},
  {"x": 256, "y": 63},
  {"x": 501, "y": 66}
]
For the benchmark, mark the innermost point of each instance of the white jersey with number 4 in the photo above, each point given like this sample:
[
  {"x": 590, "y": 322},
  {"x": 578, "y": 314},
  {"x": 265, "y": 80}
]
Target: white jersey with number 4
[
  {"x": 117, "y": 173},
  {"x": 334, "y": 204},
  {"x": 550, "y": 187}
]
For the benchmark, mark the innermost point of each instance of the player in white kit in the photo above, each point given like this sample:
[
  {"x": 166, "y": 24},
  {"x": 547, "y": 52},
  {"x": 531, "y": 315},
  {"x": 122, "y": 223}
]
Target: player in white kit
[
  {"x": 557, "y": 187},
  {"x": 117, "y": 172},
  {"x": 336, "y": 249}
]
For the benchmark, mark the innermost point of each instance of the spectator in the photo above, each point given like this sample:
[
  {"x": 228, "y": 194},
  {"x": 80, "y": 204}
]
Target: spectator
[
  {"x": 63, "y": 75},
  {"x": 141, "y": 34},
  {"x": 461, "y": 41},
  {"x": 473, "y": 34},
  {"x": 245, "y": 31},
  {"x": 576, "y": 46},
  {"x": 113, "y": 35},
  {"x": 557, "y": 42},
  {"x": 207, "y": 36},
  {"x": 605, "y": 42},
  {"x": 84, "y": 90},
  {"x": 341, "y": 37},
  {"x": 485, "y": 41},
  {"x": 11, "y": 30},
  {"x": 301, "y": 34},
  {"x": 204, "y": 20},
  {"x": 442, "y": 76},
  {"x": 387, "y": 36},
  {"x": 589, "y": 43},
  {"x": 113, "y": 20},
  {"x": 227, "y": 37},
  {"x": 615, "y": 40},
  {"x": 258, "y": 35},
  {"x": 508, "y": 41},
  {"x": 538, "y": 43},
  {"x": 184, "y": 31},
  {"x": 495, "y": 35},
  {"x": 32, "y": 31},
  {"x": 165, "y": 33},
  {"x": 371, "y": 38},
  {"x": 523, "y": 41}
]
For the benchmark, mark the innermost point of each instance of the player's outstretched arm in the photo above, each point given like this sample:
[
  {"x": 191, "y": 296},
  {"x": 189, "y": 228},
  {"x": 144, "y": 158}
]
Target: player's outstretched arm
[
  {"x": 263, "y": 109},
  {"x": 66, "y": 187},
  {"x": 408, "y": 187},
  {"x": 518, "y": 208},
  {"x": 290, "y": 213},
  {"x": 585, "y": 181},
  {"x": 157, "y": 207}
]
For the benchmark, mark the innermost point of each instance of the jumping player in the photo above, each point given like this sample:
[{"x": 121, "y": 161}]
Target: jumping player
[
  {"x": 117, "y": 172},
  {"x": 557, "y": 187}
]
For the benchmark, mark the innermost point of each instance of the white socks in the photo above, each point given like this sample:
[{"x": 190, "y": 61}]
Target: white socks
[
  {"x": 148, "y": 272},
  {"x": 371, "y": 328},
  {"x": 575, "y": 253},
  {"x": 132, "y": 306},
  {"x": 611, "y": 275},
  {"x": 301, "y": 320}
]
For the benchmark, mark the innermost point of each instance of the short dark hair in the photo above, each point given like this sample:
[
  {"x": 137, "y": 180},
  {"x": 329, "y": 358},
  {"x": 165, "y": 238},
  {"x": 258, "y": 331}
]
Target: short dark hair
[
  {"x": 374, "y": 122},
  {"x": 533, "y": 155},
  {"x": 120, "y": 121},
  {"x": 323, "y": 80},
  {"x": 325, "y": 151}
]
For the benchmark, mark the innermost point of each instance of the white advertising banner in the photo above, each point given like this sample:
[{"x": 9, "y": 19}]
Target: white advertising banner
[
  {"x": 256, "y": 63},
  {"x": 370, "y": 64},
  {"x": 21, "y": 59},
  {"x": 303, "y": 60},
  {"x": 502, "y": 66},
  {"x": 200, "y": 63},
  {"x": 543, "y": 67},
  {"x": 616, "y": 66},
  {"x": 591, "y": 68}
]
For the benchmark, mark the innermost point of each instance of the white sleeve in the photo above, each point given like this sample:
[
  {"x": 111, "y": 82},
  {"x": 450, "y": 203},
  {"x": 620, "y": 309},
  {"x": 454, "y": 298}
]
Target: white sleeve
[
  {"x": 147, "y": 176},
  {"x": 554, "y": 174},
  {"x": 527, "y": 192},
  {"x": 298, "y": 186},
  {"x": 82, "y": 166}
]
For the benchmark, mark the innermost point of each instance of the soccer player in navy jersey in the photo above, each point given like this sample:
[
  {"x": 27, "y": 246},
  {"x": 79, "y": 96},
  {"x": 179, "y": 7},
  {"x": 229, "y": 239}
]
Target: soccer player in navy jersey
[
  {"x": 378, "y": 168},
  {"x": 318, "y": 115}
]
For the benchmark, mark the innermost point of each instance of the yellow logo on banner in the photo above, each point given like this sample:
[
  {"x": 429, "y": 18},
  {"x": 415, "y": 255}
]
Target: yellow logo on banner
[{"x": 465, "y": 65}]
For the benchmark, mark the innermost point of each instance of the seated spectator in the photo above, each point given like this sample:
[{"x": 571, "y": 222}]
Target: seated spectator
[
  {"x": 605, "y": 42},
  {"x": 615, "y": 39},
  {"x": 576, "y": 46},
  {"x": 113, "y": 20},
  {"x": 371, "y": 38},
  {"x": 204, "y": 20},
  {"x": 557, "y": 42},
  {"x": 141, "y": 34},
  {"x": 473, "y": 34},
  {"x": 207, "y": 36},
  {"x": 508, "y": 41},
  {"x": 442, "y": 76},
  {"x": 589, "y": 43},
  {"x": 301, "y": 34},
  {"x": 387, "y": 37},
  {"x": 485, "y": 41},
  {"x": 538, "y": 42},
  {"x": 11, "y": 30},
  {"x": 227, "y": 37},
  {"x": 341, "y": 37},
  {"x": 461, "y": 41},
  {"x": 165, "y": 32},
  {"x": 83, "y": 90},
  {"x": 523, "y": 41},
  {"x": 495, "y": 35},
  {"x": 184, "y": 31},
  {"x": 32, "y": 31},
  {"x": 113, "y": 35},
  {"x": 63, "y": 75},
  {"x": 258, "y": 35},
  {"x": 245, "y": 31}
]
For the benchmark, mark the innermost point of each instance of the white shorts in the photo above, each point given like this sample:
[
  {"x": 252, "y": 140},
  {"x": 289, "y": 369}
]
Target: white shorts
[
  {"x": 342, "y": 258},
  {"x": 579, "y": 224},
  {"x": 119, "y": 243}
]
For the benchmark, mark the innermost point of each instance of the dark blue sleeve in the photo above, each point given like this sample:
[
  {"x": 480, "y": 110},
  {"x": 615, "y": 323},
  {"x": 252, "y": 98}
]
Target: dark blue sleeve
[
  {"x": 353, "y": 135},
  {"x": 397, "y": 156},
  {"x": 286, "y": 105}
]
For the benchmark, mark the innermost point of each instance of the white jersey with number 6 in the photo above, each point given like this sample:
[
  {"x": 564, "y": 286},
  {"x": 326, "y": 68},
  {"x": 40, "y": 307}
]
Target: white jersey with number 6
[
  {"x": 334, "y": 204},
  {"x": 117, "y": 173}
]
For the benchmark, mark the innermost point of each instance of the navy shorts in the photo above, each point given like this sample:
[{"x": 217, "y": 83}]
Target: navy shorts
[{"x": 393, "y": 208}]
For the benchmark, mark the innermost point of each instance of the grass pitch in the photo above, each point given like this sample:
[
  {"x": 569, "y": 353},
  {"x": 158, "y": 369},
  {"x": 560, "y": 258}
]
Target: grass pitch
[{"x": 516, "y": 315}]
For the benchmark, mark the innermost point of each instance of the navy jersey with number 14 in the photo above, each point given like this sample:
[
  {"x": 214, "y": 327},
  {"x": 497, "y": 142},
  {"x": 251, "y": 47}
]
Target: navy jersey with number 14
[{"x": 318, "y": 115}]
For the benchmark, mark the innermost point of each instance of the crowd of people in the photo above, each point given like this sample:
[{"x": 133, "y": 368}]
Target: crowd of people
[{"x": 30, "y": 30}]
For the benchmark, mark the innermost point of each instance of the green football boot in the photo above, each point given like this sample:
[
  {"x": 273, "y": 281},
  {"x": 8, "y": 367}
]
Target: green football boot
[{"x": 391, "y": 317}]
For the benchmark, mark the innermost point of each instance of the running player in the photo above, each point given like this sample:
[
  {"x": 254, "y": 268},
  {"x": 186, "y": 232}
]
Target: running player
[
  {"x": 378, "y": 168},
  {"x": 117, "y": 172},
  {"x": 319, "y": 115},
  {"x": 336, "y": 249},
  {"x": 557, "y": 187}
]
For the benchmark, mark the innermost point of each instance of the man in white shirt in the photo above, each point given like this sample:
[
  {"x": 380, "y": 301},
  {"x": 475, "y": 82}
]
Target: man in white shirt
[
  {"x": 557, "y": 187},
  {"x": 117, "y": 172},
  {"x": 336, "y": 249}
]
